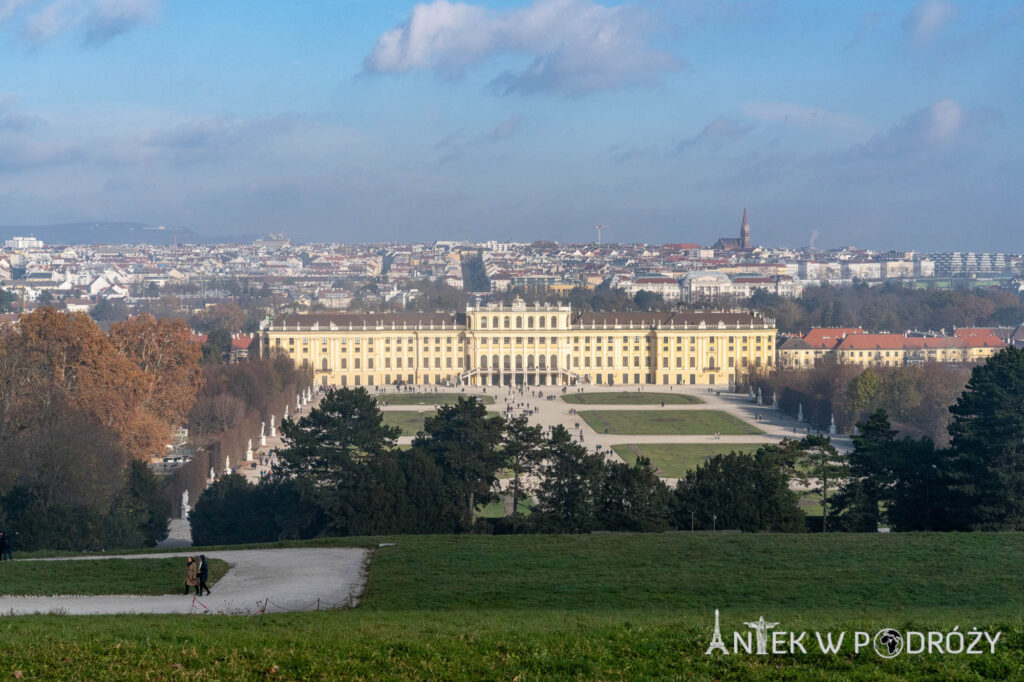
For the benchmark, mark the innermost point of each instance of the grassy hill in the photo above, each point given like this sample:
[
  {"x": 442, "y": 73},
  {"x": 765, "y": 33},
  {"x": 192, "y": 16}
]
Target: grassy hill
[{"x": 616, "y": 606}]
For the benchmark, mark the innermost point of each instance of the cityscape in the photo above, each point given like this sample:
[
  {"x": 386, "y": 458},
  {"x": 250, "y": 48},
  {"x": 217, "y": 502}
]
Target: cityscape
[{"x": 511, "y": 339}]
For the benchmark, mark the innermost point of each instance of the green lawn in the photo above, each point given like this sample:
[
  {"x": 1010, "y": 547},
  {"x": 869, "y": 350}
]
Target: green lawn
[
  {"x": 667, "y": 422},
  {"x": 631, "y": 398},
  {"x": 410, "y": 421},
  {"x": 429, "y": 398},
  {"x": 673, "y": 460},
  {"x": 599, "y": 607},
  {"x": 100, "y": 576}
]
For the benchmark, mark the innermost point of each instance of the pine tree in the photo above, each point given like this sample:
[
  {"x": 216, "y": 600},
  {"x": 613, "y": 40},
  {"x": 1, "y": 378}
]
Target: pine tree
[{"x": 988, "y": 440}]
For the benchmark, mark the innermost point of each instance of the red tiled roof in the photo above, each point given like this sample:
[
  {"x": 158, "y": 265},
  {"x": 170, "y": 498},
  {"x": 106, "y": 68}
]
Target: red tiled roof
[{"x": 829, "y": 337}]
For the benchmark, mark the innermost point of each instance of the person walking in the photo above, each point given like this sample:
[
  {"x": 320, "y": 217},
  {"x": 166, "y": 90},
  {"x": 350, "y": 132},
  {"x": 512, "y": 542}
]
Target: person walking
[
  {"x": 191, "y": 575},
  {"x": 5, "y": 547},
  {"x": 204, "y": 575}
]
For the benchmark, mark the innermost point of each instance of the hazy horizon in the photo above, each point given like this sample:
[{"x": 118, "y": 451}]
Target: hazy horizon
[{"x": 879, "y": 125}]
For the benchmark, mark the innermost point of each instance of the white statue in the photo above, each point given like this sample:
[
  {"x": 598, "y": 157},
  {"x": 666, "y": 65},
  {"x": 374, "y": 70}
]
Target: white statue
[
  {"x": 273, "y": 429},
  {"x": 759, "y": 403},
  {"x": 832, "y": 426},
  {"x": 184, "y": 504},
  {"x": 213, "y": 475},
  {"x": 227, "y": 464},
  {"x": 263, "y": 428},
  {"x": 248, "y": 451},
  {"x": 800, "y": 413},
  {"x": 775, "y": 400},
  {"x": 298, "y": 402}
]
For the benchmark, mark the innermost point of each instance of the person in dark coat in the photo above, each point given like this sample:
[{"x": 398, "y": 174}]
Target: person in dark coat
[
  {"x": 5, "y": 548},
  {"x": 204, "y": 575},
  {"x": 191, "y": 576}
]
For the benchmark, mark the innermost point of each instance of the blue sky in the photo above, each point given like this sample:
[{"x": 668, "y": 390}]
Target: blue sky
[{"x": 876, "y": 124}]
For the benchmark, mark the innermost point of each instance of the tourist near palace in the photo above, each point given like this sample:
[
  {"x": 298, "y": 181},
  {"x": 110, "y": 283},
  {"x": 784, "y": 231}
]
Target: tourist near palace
[{"x": 521, "y": 344}]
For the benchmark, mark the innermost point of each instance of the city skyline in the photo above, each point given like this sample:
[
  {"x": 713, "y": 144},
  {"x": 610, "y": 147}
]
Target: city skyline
[{"x": 876, "y": 125}]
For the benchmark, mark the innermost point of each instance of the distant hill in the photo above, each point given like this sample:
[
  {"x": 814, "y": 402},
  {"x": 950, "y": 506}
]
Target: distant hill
[{"x": 103, "y": 233}]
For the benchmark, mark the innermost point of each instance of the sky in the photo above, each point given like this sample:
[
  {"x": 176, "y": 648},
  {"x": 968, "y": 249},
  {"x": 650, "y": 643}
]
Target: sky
[{"x": 880, "y": 125}]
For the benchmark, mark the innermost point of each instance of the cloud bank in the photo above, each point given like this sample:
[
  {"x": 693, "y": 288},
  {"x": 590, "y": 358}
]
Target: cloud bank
[{"x": 574, "y": 46}]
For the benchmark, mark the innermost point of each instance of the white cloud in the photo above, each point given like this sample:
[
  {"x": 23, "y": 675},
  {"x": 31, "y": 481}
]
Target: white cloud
[
  {"x": 927, "y": 19},
  {"x": 801, "y": 116},
  {"x": 715, "y": 134},
  {"x": 576, "y": 46},
  {"x": 9, "y": 7},
  {"x": 934, "y": 127},
  {"x": 98, "y": 21}
]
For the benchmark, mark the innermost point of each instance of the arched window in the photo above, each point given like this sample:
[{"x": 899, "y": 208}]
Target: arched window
[
  {"x": 494, "y": 362},
  {"x": 542, "y": 361},
  {"x": 529, "y": 362},
  {"x": 542, "y": 320},
  {"x": 529, "y": 322},
  {"x": 554, "y": 322},
  {"x": 483, "y": 362},
  {"x": 494, "y": 322},
  {"x": 323, "y": 364},
  {"x": 711, "y": 363},
  {"x": 508, "y": 362},
  {"x": 519, "y": 321},
  {"x": 483, "y": 322},
  {"x": 554, "y": 362},
  {"x": 519, "y": 362},
  {"x": 508, "y": 322}
]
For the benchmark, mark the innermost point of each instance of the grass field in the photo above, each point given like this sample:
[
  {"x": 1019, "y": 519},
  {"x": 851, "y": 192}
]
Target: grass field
[
  {"x": 667, "y": 423},
  {"x": 673, "y": 460},
  {"x": 607, "y": 607},
  {"x": 106, "y": 576},
  {"x": 429, "y": 398},
  {"x": 630, "y": 398},
  {"x": 410, "y": 421}
]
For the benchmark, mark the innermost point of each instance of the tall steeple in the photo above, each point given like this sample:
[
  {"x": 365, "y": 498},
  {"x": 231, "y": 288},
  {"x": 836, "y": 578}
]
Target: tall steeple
[{"x": 745, "y": 232}]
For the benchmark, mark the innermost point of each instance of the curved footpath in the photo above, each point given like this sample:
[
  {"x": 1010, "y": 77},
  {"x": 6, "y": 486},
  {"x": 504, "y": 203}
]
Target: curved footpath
[{"x": 282, "y": 579}]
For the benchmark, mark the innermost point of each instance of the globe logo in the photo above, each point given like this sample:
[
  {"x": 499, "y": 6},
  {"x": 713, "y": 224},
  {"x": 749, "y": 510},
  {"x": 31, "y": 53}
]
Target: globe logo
[{"x": 888, "y": 643}]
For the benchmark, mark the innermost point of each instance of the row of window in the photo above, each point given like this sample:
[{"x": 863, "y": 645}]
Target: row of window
[{"x": 507, "y": 322}]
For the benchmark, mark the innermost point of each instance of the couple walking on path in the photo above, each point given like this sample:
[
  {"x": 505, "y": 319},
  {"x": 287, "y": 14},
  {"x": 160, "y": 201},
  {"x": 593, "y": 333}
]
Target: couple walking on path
[{"x": 196, "y": 575}]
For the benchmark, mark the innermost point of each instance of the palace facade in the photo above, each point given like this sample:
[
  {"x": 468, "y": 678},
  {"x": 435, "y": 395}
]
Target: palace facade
[{"x": 535, "y": 345}]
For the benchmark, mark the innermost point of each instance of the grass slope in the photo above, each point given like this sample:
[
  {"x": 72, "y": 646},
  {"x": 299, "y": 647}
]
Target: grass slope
[
  {"x": 99, "y": 576},
  {"x": 673, "y": 460},
  {"x": 429, "y": 398},
  {"x": 667, "y": 422},
  {"x": 603, "y": 607},
  {"x": 631, "y": 398}
]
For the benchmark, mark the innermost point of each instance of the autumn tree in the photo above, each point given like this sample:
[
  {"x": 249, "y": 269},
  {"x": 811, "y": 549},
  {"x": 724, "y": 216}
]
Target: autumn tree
[{"x": 169, "y": 360}]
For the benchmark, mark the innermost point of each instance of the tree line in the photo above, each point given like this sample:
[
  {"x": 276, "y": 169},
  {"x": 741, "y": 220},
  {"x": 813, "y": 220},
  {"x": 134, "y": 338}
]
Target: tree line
[
  {"x": 79, "y": 412},
  {"x": 340, "y": 473},
  {"x": 891, "y": 307}
]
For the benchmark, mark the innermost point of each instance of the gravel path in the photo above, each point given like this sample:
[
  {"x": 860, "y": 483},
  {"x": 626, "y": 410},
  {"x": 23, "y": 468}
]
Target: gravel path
[{"x": 291, "y": 579}]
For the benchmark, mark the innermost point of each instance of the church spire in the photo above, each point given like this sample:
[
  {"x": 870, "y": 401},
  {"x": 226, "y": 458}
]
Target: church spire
[{"x": 745, "y": 232}]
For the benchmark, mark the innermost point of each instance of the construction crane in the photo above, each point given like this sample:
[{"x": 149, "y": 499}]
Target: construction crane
[{"x": 599, "y": 229}]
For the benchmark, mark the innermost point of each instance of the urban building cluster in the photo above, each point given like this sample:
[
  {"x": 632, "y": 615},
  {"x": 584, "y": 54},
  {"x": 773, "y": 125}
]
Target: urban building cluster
[{"x": 332, "y": 276}]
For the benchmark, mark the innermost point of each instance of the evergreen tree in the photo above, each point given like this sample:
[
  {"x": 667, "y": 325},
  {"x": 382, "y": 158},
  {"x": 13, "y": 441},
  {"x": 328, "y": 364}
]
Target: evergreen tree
[
  {"x": 739, "y": 491},
  {"x": 464, "y": 441},
  {"x": 325, "y": 451},
  {"x": 826, "y": 470},
  {"x": 522, "y": 453},
  {"x": 632, "y": 498},
  {"x": 920, "y": 497},
  {"x": 858, "y": 497},
  {"x": 567, "y": 494},
  {"x": 988, "y": 440}
]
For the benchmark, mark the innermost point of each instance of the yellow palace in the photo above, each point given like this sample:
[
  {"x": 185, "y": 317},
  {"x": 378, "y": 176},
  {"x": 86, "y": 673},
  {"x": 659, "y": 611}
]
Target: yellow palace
[{"x": 535, "y": 345}]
